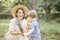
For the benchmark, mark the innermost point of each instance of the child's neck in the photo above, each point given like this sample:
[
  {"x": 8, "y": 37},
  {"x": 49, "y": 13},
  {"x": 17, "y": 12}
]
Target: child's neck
[{"x": 33, "y": 18}]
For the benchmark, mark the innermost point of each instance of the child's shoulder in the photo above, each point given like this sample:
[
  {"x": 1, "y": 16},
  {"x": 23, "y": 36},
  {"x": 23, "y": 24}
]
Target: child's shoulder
[{"x": 35, "y": 22}]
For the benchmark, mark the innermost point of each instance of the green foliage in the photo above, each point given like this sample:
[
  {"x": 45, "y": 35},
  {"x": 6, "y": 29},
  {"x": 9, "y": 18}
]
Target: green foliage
[
  {"x": 3, "y": 28},
  {"x": 49, "y": 30},
  {"x": 6, "y": 5}
]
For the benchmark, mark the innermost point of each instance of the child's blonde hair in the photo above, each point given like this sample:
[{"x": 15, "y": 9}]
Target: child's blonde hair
[{"x": 32, "y": 13}]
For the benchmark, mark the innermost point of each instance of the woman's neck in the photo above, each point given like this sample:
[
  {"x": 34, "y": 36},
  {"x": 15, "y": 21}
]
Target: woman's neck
[{"x": 19, "y": 19}]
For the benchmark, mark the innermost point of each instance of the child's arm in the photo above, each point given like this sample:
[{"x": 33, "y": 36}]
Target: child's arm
[{"x": 29, "y": 32}]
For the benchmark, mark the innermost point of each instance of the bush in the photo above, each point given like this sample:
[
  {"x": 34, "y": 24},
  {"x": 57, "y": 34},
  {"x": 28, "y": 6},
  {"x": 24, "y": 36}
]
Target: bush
[{"x": 5, "y": 16}]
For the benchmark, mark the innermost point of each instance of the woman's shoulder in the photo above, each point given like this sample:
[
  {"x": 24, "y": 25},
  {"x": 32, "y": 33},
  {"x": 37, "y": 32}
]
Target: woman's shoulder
[
  {"x": 24, "y": 20},
  {"x": 13, "y": 20}
]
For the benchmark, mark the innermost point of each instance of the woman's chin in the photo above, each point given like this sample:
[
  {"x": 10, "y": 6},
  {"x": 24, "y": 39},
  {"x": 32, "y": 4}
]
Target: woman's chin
[{"x": 21, "y": 18}]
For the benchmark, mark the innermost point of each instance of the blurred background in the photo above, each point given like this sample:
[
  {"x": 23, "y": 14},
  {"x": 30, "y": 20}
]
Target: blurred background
[{"x": 48, "y": 13}]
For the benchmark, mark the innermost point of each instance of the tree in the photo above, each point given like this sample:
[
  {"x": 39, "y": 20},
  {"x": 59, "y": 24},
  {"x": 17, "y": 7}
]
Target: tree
[
  {"x": 6, "y": 5},
  {"x": 32, "y": 5},
  {"x": 57, "y": 5},
  {"x": 48, "y": 6}
]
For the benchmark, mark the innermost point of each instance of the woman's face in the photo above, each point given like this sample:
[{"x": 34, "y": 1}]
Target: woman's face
[{"x": 20, "y": 14}]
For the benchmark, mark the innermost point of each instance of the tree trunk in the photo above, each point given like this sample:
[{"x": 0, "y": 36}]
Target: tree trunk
[
  {"x": 48, "y": 15},
  {"x": 32, "y": 5}
]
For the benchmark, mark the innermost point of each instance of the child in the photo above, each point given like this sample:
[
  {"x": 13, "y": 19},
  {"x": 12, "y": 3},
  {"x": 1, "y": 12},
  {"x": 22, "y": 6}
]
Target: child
[{"x": 32, "y": 30}]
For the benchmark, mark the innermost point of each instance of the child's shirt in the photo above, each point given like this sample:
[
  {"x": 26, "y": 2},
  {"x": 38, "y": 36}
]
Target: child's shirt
[{"x": 36, "y": 32}]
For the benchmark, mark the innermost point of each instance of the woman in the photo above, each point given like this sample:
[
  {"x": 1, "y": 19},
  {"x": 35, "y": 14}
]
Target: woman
[{"x": 17, "y": 24}]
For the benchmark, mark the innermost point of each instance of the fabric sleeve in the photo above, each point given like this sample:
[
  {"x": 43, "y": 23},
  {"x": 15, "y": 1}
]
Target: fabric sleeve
[{"x": 11, "y": 25}]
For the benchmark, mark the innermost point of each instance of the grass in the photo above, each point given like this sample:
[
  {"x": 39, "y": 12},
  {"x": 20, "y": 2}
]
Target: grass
[
  {"x": 48, "y": 29},
  {"x": 3, "y": 27}
]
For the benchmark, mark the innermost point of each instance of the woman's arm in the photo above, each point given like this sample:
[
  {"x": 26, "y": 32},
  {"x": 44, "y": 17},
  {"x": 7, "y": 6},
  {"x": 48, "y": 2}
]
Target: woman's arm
[
  {"x": 15, "y": 33},
  {"x": 12, "y": 26}
]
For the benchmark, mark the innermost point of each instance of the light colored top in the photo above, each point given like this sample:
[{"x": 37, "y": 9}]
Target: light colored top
[{"x": 13, "y": 25}]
